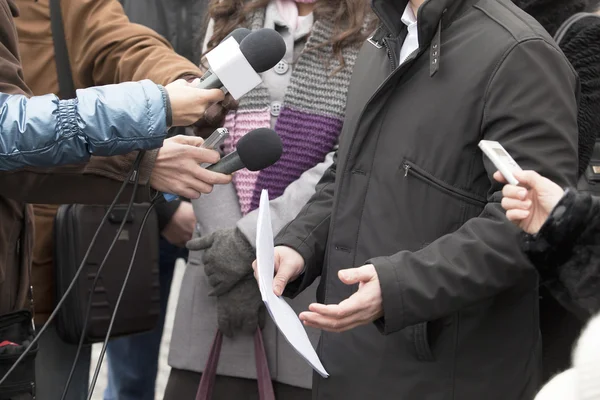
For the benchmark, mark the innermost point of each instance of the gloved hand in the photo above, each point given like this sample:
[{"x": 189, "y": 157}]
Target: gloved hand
[
  {"x": 227, "y": 258},
  {"x": 214, "y": 116},
  {"x": 241, "y": 310}
]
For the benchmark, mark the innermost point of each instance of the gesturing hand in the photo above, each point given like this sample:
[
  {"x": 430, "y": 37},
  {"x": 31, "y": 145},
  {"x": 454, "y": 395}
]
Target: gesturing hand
[
  {"x": 177, "y": 168},
  {"x": 529, "y": 206},
  {"x": 363, "y": 307}
]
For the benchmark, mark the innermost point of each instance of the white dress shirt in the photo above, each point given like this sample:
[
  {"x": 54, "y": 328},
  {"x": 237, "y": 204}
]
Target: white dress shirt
[{"x": 411, "y": 43}]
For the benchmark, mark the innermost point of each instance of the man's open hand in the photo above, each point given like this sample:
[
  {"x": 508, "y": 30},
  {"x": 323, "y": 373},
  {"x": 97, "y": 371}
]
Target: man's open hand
[{"x": 363, "y": 307}]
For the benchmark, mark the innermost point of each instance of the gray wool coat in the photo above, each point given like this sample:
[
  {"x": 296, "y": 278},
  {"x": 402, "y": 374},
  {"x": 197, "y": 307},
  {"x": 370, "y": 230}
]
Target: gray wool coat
[{"x": 196, "y": 318}]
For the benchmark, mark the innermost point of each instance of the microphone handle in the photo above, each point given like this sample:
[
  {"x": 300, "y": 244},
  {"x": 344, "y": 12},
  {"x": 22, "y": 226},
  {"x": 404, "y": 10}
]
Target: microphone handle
[
  {"x": 206, "y": 75},
  {"x": 228, "y": 164},
  {"x": 210, "y": 82}
]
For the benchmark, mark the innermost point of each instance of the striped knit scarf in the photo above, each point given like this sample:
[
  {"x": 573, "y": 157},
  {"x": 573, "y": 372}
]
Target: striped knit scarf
[{"x": 310, "y": 121}]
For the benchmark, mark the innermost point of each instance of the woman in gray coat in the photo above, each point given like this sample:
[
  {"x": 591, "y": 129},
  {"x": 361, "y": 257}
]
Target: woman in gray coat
[{"x": 304, "y": 99}]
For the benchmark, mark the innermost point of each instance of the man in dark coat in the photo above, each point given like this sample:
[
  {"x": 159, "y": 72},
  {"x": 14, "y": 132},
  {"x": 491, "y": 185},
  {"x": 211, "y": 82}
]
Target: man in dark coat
[{"x": 452, "y": 298}]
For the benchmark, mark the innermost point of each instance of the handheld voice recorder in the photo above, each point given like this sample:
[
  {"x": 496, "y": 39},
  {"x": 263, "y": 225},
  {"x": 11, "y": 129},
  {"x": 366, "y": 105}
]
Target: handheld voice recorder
[{"x": 501, "y": 159}]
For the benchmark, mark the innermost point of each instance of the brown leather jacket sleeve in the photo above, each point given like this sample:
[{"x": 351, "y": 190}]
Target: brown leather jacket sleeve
[
  {"x": 105, "y": 47},
  {"x": 83, "y": 183},
  {"x": 11, "y": 74}
]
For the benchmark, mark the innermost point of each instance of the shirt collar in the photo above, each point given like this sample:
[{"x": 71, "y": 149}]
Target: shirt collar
[
  {"x": 301, "y": 26},
  {"x": 408, "y": 18}
]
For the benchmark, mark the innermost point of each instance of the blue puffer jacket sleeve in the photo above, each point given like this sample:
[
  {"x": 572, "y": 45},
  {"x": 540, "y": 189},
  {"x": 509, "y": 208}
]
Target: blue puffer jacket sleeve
[{"x": 102, "y": 121}]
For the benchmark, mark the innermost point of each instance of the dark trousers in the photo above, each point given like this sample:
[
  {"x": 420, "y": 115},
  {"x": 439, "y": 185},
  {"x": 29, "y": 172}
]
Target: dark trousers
[{"x": 183, "y": 385}]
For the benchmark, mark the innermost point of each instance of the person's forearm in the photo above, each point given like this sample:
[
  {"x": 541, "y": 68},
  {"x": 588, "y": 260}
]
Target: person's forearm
[
  {"x": 116, "y": 49},
  {"x": 102, "y": 121}
]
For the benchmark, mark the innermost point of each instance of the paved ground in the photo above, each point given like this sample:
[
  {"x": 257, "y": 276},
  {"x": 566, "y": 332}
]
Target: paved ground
[{"x": 163, "y": 373}]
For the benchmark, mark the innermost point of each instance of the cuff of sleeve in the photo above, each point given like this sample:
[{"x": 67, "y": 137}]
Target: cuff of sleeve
[
  {"x": 167, "y": 103},
  {"x": 147, "y": 166},
  {"x": 567, "y": 220},
  {"x": 165, "y": 211},
  {"x": 391, "y": 293},
  {"x": 553, "y": 244}
]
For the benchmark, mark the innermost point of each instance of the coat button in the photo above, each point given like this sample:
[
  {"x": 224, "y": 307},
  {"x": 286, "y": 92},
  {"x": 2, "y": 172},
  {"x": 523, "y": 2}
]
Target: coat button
[
  {"x": 276, "y": 108},
  {"x": 282, "y": 67}
]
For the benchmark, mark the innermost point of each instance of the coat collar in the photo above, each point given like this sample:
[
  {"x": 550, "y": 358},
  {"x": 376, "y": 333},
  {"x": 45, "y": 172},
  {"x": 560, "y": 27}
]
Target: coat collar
[{"x": 431, "y": 15}]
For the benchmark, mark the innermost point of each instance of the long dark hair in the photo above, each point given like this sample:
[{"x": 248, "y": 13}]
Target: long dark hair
[{"x": 348, "y": 16}]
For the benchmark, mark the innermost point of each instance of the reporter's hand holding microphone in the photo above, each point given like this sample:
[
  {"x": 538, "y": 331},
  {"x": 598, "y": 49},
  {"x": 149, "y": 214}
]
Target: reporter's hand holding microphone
[
  {"x": 177, "y": 167},
  {"x": 180, "y": 174}
]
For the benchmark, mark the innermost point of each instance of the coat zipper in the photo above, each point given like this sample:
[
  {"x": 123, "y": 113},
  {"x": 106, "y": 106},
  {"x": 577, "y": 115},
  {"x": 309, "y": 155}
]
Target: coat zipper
[
  {"x": 20, "y": 388},
  {"x": 410, "y": 168}
]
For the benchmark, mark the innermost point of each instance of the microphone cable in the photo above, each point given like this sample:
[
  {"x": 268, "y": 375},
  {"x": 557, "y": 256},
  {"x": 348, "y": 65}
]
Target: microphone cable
[
  {"x": 157, "y": 198},
  {"x": 134, "y": 170},
  {"x": 93, "y": 287}
]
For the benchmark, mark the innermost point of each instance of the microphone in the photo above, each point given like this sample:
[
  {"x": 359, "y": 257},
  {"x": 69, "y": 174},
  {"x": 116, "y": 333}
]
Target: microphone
[
  {"x": 262, "y": 49},
  {"x": 256, "y": 150},
  {"x": 238, "y": 34}
]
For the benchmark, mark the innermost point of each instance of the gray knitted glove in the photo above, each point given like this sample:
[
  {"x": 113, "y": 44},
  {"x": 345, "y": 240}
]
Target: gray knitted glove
[
  {"x": 241, "y": 310},
  {"x": 227, "y": 258}
]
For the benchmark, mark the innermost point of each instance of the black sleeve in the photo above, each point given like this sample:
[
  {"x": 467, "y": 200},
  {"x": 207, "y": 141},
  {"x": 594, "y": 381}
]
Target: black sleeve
[
  {"x": 164, "y": 213},
  {"x": 307, "y": 234},
  {"x": 566, "y": 253}
]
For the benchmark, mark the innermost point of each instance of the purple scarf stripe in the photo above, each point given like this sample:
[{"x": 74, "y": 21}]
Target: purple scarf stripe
[{"x": 307, "y": 138}]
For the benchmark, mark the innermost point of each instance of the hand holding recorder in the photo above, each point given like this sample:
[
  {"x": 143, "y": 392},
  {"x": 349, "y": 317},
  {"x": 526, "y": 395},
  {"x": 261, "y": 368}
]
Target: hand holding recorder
[
  {"x": 528, "y": 198},
  {"x": 529, "y": 205}
]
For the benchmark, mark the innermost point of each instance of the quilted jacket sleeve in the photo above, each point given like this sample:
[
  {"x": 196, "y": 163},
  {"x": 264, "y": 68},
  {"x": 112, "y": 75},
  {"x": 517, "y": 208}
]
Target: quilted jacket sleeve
[{"x": 101, "y": 121}]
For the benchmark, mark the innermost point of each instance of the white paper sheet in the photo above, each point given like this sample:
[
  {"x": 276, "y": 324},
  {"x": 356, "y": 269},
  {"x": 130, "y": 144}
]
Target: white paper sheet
[{"x": 282, "y": 314}]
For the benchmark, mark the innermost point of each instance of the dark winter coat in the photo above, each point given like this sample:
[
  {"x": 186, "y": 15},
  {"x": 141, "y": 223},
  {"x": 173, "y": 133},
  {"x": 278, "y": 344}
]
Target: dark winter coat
[
  {"x": 566, "y": 252},
  {"x": 411, "y": 193}
]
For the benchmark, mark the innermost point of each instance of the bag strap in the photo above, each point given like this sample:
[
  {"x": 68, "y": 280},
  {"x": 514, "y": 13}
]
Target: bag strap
[
  {"x": 564, "y": 28},
  {"x": 265, "y": 384},
  {"x": 207, "y": 382},
  {"x": 66, "y": 87}
]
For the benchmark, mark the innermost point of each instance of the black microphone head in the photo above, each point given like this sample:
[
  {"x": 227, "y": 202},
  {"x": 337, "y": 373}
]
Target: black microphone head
[
  {"x": 238, "y": 34},
  {"x": 263, "y": 49},
  {"x": 259, "y": 149}
]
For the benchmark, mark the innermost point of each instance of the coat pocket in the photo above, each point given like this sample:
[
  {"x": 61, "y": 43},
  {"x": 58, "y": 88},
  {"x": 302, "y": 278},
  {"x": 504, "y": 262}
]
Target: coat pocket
[
  {"x": 425, "y": 338},
  {"x": 412, "y": 169}
]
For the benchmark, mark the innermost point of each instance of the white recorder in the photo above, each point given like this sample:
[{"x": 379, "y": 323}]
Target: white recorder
[{"x": 501, "y": 159}]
